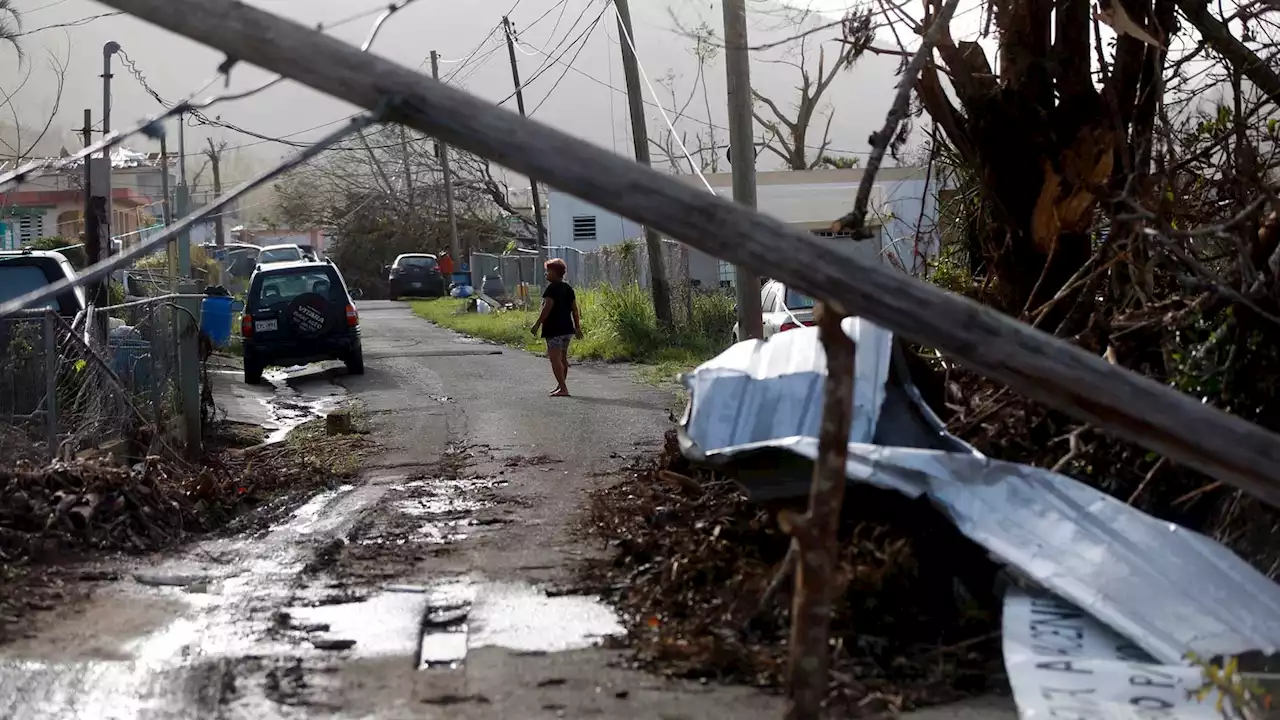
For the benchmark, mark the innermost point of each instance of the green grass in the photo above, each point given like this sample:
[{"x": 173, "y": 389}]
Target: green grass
[{"x": 619, "y": 324}]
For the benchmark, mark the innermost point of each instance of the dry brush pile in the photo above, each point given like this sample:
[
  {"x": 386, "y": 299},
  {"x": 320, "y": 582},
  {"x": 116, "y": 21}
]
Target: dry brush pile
[{"x": 917, "y": 613}]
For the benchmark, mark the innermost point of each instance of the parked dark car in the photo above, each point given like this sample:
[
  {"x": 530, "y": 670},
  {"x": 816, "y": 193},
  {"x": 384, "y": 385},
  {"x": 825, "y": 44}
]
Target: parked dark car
[
  {"x": 297, "y": 313},
  {"x": 23, "y": 271},
  {"x": 415, "y": 275}
]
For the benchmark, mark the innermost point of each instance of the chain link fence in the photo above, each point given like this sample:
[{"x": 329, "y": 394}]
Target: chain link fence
[
  {"x": 618, "y": 265},
  {"x": 64, "y": 388}
]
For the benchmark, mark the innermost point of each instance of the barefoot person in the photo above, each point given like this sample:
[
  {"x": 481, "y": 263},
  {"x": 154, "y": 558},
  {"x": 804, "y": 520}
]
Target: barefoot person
[{"x": 560, "y": 323}]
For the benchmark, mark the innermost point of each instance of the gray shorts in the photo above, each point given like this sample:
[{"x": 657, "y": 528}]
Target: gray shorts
[{"x": 559, "y": 342}]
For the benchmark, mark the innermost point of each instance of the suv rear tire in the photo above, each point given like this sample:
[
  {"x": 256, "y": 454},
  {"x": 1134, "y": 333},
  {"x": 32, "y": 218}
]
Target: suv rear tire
[{"x": 355, "y": 362}]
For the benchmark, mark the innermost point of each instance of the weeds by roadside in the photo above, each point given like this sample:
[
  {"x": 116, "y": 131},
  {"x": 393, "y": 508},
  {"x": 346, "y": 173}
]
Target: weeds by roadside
[{"x": 619, "y": 322}]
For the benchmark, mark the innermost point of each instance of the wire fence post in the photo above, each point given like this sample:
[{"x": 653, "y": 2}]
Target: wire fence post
[
  {"x": 51, "y": 382},
  {"x": 188, "y": 340}
]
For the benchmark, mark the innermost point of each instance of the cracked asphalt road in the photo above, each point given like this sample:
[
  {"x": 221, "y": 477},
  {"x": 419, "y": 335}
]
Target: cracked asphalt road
[{"x": 440, "y": 585}]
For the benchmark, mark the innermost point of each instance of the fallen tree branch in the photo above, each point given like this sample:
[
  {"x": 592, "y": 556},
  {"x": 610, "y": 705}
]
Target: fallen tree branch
[{"x": 1041, "y": 367}]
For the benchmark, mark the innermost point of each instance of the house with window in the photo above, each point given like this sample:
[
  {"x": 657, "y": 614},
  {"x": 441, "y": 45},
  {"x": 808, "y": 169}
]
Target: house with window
[
  {"x": 53, "y": 204},
  {"x": 902, "y": 214}
]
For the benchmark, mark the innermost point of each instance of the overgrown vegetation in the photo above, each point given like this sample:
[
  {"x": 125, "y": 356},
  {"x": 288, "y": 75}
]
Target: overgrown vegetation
[{"x": 619, "y": 324}]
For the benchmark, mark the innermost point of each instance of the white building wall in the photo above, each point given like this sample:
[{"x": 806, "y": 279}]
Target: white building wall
[
  {"x": 610, "y": 229},
  {"x": 902, "y": 209}
]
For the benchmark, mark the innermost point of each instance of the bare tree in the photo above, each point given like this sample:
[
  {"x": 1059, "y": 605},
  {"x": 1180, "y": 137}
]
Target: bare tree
[
  {"x": 787, "y": 134},
  {"x": 703, "y": 146}
]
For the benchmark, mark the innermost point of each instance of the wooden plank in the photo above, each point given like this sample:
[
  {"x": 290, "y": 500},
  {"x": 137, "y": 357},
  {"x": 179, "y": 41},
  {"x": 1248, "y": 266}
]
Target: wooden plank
[{"x": 1033, "y": 363}]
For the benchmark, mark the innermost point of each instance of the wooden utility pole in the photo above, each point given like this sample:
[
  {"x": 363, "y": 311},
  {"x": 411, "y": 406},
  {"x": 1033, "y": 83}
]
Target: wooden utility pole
[
  {"x": 464, "y": 255},
  {"x": 166, "y": 214},
  {"x": 95, "y": 207},
  {"x": 658, "y": 283},
  {"x": 181, "y": 199},
  {"x": 533, "y": 184},
  {"x": 214, "y": 154},
  {"x": 91, "y": 244},
  {"x": 742, "y": 154}
]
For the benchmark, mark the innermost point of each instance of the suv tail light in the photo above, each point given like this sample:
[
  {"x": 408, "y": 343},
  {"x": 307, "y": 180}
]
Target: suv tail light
[
  {"x": 353, "y": 317},
  {"x": 792, "y": 326},
  {"x": 246, "y": 325}
]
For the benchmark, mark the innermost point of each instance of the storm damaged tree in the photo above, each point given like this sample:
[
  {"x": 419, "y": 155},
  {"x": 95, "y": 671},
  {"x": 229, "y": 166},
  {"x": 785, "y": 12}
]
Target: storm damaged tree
[
  {"x": 1084, "y": 139},
  {"x": 787, "y": 134}
]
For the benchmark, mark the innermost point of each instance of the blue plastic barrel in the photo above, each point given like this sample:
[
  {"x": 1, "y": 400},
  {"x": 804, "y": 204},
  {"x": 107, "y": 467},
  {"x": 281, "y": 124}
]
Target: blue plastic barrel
[
  {"x": 215, "y": 319},
  {"x": 461, "y": 277}
]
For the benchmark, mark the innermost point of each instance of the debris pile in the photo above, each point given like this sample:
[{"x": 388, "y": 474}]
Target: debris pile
[
  {"x": 917, "y": 617},
  {"x": 97, "y": 503}
]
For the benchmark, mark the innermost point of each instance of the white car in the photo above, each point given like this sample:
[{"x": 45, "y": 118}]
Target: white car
[
  {"x": 782, "y": 309},
  {"x": 281, "y": 253}
]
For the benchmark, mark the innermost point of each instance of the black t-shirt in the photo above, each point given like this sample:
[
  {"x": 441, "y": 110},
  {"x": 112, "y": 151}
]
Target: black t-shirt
[{"x": 560, "y": 320}]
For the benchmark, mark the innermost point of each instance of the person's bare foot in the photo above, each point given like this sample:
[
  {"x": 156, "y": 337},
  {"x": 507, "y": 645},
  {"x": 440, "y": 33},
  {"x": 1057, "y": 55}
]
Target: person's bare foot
[{"x": 560, "y": 392}]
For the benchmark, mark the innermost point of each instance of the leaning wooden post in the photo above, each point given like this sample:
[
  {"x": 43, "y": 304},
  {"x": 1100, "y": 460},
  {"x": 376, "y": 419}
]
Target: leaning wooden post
[{"x": 815, "y": 533}]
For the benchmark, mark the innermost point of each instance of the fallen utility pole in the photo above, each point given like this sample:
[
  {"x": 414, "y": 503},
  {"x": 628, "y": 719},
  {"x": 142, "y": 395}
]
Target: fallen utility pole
[
  {"x": 659, "y": 285},
  {"x": 464, "y": 254},
  {"x": 742, "y": 154},
  {"x": 533, "y": 183},
  {"x": 1031, "y": 362}
]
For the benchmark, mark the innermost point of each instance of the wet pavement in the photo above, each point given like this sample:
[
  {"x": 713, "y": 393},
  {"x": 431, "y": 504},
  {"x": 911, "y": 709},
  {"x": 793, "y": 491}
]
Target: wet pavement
[{"x": 440, "y": 585}]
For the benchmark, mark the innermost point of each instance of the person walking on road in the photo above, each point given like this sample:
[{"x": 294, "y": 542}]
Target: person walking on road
[{"x": 560, "y": 322}]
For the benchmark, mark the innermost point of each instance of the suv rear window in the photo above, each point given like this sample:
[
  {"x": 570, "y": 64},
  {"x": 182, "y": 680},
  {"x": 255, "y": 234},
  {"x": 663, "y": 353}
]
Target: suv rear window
[
  {"x": 417, "y": 262},
  {"x": 281, "y": 288},
  {"x": 18, "y": 280}
]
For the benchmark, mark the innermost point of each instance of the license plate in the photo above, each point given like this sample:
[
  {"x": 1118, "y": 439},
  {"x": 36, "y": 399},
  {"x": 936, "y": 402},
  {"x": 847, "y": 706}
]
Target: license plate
[
  {"x": 417, "y": 285},
  {"x": 265, "y": 325}
]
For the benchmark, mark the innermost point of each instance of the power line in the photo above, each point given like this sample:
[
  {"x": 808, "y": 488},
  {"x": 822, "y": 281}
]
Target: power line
[
  {"x": 705, "y": 123},
  {"x": 68, "y": 24},
  {"x": 557, "y": 59},
  {"x": 563, "y": 73}
]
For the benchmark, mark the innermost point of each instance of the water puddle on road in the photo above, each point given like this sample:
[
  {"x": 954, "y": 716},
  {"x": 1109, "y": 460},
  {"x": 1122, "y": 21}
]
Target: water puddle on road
[
  {"x": 464, "y": 615},
  {"x": 291, "y": 406},
  {"x": 384, "y": 625}
]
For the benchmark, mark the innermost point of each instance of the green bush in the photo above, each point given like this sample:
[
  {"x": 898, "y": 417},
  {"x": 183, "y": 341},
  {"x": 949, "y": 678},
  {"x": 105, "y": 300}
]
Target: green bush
[{"x": 619, "y": 322}]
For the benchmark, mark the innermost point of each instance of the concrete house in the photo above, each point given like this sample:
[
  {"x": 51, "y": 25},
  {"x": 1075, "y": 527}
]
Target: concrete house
[{"x": 903, "y": 214}]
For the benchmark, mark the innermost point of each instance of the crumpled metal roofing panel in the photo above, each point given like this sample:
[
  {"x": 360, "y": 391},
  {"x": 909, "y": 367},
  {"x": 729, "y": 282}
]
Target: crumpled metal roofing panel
[{"x": 1168, "y": 589}]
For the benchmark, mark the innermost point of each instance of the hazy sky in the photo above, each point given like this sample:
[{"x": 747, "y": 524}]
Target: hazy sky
[{"x": 580, "y": 105}]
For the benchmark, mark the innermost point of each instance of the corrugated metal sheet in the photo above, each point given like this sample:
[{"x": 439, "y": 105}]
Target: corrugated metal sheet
[{"x": 1169, "y": 590}]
